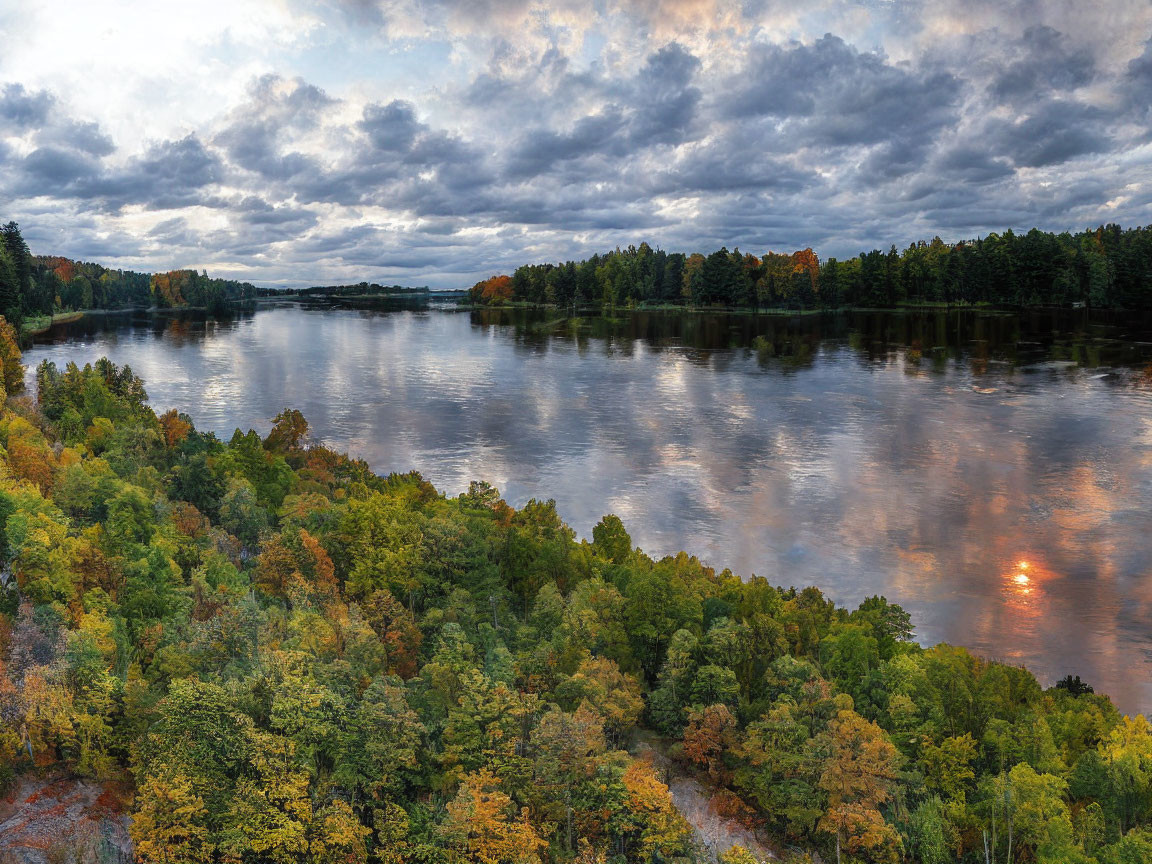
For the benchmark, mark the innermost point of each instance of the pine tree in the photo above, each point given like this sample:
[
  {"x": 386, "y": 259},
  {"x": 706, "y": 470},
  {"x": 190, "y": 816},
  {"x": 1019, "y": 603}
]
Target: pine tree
[{"x": 12, "y": 292}]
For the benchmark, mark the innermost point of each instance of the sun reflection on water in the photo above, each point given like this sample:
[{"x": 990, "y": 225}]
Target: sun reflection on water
[{"x": 1024, "y": 587}]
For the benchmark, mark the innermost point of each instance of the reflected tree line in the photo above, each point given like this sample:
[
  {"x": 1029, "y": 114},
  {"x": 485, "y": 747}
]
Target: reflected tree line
[{"x": 1083, "y": 337}]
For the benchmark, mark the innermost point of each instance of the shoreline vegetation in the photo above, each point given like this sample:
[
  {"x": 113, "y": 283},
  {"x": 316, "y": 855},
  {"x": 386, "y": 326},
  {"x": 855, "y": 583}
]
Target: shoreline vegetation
[
  {"x": 746, "y": 310},
  {"x": 47, "y": 289},
  {"x": 264, "y": 651},
  {"x": 1108, "y": 266},
  {"x": 1105, "y": 267},
  {"x": 43, "y": 323}
]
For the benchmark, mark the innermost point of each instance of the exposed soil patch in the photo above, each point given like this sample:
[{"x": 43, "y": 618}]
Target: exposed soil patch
[
  {"x": 56, "y": 819},
  {"x": 716, "y": 830}
]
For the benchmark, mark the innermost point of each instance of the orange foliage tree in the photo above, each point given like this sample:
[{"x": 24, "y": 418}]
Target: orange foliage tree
[
  {"x": 175, "y": 427},
  {"x": 497, "y": 289},
  {"x": 293, "y": 565},
  {"x": 10, "y": 367},
  {"x": 31, "y": 460},
  {"x": 805, "y": 261},
  {"x": 711, "y": 733}
]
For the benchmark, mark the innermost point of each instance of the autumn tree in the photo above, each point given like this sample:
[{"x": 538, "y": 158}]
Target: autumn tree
[
  {"x": 709, "y": 738},
  {"x": 482, "y": 825},
  {"x": 613, "y": 694},
  {"x": 174, "y": 426},
  {"x": 497, "y": 289},
  {"x": 11, "y": 370},
  {"x": 169, "y": 825},
  {"x": 858, "y": 775},
  {"x": 289, "y": 430},
  {"x": 649, "y": 823}
]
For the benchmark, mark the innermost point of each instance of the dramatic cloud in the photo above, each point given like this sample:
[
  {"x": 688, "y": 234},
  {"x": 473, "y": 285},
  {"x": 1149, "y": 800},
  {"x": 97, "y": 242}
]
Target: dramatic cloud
[{"x": 438, "y": 141}]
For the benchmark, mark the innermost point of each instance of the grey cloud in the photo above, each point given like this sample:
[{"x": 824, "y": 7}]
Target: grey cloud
[
  {"x": 52, "y": 170},
  {"x": 401, "y": 161},
  {"x": 170, "y": 174},
  {"x": 828, "y": 94},
  {"x": 274, "y": 110},
  {"x": 746, "y": 157},
  {"x": 326, "y": 243},
  {"x": 542, "y": 148},
  {"x": 40, "y": 113},
  {"x": 24, "y": 109},
  {"x": 972, "y": 164},
  {"x": 85, "y": 137},
  {"x": 655, "y": 107},
  {"x": 255, "y": 211},
  {"x": 258, "y": 222},
  {"x": 169, "y": 229},
  {"x": 175, "y": 233},
  {"x": 1047, "y": 62},
  {"x": 1138, "y": 78},
  {"x": 665, "y": 98},
  {"x": 1052, "y": 132},
  {"x": 548, "y": 88},
  {"x": 392, "y": 127}
]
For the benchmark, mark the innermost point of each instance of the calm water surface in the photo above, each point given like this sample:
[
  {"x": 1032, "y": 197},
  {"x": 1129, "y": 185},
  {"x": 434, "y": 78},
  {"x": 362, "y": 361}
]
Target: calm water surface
[{"x": 992, "y": 473}]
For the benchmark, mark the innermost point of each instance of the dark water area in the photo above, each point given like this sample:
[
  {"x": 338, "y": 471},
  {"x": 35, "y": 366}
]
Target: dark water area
[{"x": 992, "y": 472}]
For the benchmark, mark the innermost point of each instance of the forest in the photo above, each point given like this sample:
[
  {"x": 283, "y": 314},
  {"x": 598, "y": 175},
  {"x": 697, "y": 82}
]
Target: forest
[
  {"x": 276, "y": 655},
  {"x": 34, "y": 286},
  {"x": 1105, "y": 267}
]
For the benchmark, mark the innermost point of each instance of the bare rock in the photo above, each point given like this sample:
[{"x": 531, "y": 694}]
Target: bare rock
[{"x": 62, "y": 820}]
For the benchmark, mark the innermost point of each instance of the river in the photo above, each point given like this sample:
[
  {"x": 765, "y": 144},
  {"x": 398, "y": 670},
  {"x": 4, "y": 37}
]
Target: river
[{"x": 991, "y": 472}]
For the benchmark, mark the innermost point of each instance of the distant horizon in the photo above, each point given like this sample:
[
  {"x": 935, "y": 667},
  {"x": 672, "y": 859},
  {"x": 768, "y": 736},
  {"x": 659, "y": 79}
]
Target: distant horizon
[{"x": 443, "y": 287}]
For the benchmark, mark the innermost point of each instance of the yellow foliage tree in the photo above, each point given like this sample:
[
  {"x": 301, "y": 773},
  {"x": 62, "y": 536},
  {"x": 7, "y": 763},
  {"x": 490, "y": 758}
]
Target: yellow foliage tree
[
  {"x": 482, "y": 826},
  {"x": 858, "y": 775},
  {"x": 338, "y": 837},
  {"x": 651, "y": 820},
  {"x": 168, "y": 826}
]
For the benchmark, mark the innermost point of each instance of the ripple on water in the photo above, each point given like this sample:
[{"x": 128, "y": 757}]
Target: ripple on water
[{"x": 826, "y": 456}]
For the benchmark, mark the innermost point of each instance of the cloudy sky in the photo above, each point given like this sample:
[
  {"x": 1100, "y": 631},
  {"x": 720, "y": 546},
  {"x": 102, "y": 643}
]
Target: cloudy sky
[{"x": 439, "y": 141}]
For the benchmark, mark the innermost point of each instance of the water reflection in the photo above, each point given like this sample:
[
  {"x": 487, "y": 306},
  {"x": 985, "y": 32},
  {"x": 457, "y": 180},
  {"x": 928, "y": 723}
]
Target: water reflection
[
  {"x": 926, "y": 456},
  {"x": 1024, "y": 588}
]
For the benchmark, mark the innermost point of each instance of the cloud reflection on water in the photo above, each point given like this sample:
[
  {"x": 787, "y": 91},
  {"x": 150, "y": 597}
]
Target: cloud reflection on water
[{"x": 827, "y": 457}]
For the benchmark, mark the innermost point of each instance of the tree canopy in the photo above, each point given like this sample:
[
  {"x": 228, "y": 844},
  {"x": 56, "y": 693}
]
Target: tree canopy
[{"x": 1108, "y": 266}]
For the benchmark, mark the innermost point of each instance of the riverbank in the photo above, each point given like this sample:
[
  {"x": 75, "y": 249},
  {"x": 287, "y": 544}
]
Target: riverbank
[
  {"x": 789, "y": 311},
  {"x": 43, "y": 323},
  {"x": 38, "y": 325}
]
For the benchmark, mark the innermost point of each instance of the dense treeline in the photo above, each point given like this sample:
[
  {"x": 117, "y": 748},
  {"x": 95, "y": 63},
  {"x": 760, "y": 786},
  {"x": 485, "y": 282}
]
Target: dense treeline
[
  {"x": 289, "y": 659},
  {"x": 1105, "y": 267},
  {"x": 42, "y": 285}
]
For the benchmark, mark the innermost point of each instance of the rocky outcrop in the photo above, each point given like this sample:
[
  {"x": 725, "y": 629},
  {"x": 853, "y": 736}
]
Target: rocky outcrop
[{"x": 62, "y": 820}]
